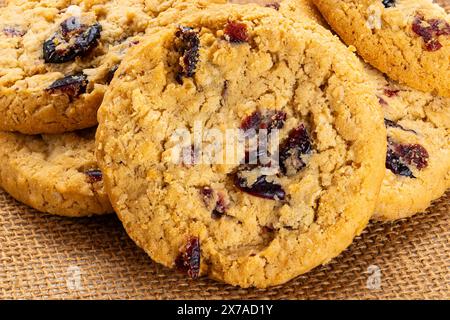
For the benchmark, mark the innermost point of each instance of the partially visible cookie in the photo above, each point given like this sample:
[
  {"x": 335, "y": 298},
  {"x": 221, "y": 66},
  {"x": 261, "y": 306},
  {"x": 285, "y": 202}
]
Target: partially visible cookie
[
  {"x": 57, "y": 174},
  {"x": 418, "y": 157},
  {"x": 241, "y": 67},
  {"x": 57, "y": 58},
  {"x": 409, "y": 40}
]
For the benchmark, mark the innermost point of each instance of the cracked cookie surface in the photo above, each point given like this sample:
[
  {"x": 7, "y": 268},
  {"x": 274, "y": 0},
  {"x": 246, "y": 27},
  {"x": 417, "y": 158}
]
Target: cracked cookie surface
[
  {"x": 57, "y": 174},
  {"x": 409, "y": 40},
  {"x": 418, "y": 124},
  {"x": 57, "y": 57},
  {"x": 249, "y": 68},
  {"x": 418, "y": 158}
]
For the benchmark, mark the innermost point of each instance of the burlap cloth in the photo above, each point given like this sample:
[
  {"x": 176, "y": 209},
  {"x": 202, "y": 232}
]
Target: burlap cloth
[{"x": 43, "y": 256}]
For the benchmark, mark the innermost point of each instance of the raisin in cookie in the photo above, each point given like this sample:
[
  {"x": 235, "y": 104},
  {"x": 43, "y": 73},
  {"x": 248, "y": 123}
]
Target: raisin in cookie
[
  {"x": 418, "y": 156},
  {"x": 409, "y": 40},
  {"x": 57, "y": 58},
  {"x": 57, "y": 174},
  {"x": 246, "y": 223}
]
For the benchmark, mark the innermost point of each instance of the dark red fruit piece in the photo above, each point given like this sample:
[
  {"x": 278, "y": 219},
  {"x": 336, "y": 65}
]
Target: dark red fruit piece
[
  {"x": 273, "y": 5},
  {"x": 268, "y": 229},
  {"x": 72, "y": 40},
  {"x": 395, "y": 164},
  {"x": 188, "y": 261},
  {"x": 13, "y": 32},
  {"x": 391, "y": 92},
  {"x": 388, "y": 3},
  {"x": 73, "y": 85},
  {"x": 414, "y": 154},
  {"x": 274, "y": 120},
  {"x": 110, "y": 73},
  {"x": 251, "y": 122},
  {"x": 220, "y": 206},
  {"x": 429, "y": 30},
  {"x": 261, "y": 188},
  {"x": 94, "y": 175},
  {"x": 393, "y": 124},
  {"x": 236, "y": 32},
  {"x": 189, "y": 47},
  {"x": 382, "y": 101},
  {"x": 399, "y": 156},
  {"x": 292, "y": 148},
  {"x": 267, "y": 120}
]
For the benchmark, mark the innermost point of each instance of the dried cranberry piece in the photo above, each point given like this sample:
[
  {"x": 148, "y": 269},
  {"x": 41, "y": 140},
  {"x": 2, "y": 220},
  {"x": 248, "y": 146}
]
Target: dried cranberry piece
[
  {"x": 395, "y": 164},
  {"x": 399, "y": 156},
  {"x": 272, "y": 119},
  {"x": 72, "y": 85},
  {"x": 220, "y": 205},
  {"x": 261, "y": 188},
  {"x": 382, "y": 101},
  {"x": 188, "y": 260},
  {"x": 388, "y": 3},
  {"x": 251, "y": 122},
  {"x": 391, "y": 92},
  {"x": 273, "y": 5},
  {"x": 236, "y": 32},
  {"x": 433, "y": 45},
  {"x": 275, "y": 120},
  {"x": 94, "y": 175},
  {"x": 414, "y": 154},
  {"x": 268, "y": 229},
  {"x": 292, "y": 148},
  {"x": 393, "y": 124},
  {"x": 189, "y": 47},
  {"x": 72, "y": 40},
  {"x": 440, "y": 27},
  {"x": 13, "y": 32},
  {"x": 429, "y": 30}
]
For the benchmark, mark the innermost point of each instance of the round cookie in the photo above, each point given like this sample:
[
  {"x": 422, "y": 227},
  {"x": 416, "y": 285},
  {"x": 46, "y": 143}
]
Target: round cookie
[
  {"x": 418, "y": 158},
  {"x": 57, "y": 174},
  {"x": 409, "y": 40},
  {"x": 241, "y": 67},
  {"x": 57, "y": 58}
]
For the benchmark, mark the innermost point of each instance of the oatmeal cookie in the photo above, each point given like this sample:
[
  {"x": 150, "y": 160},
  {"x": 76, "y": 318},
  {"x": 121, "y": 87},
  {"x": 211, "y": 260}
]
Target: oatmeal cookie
[
  {"x": 57, "y": 174},
  {"x": 241, "y": 67},
  {"x": 409, "y": 40}
]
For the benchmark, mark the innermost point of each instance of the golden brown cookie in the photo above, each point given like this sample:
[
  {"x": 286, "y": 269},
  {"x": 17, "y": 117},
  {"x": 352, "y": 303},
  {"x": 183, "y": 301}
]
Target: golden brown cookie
[
  {"x": 57, "y": 174},
  {"x": 241, "y": 67},
  {"x": 409, "y": 40},
  {"x": 57, "y": 58},
  {"x": 418, "y": 157}
]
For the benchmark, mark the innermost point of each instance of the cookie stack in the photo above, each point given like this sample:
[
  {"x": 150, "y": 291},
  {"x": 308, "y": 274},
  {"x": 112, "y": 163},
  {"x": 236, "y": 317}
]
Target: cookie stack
[{"x": 243, "y": 142}]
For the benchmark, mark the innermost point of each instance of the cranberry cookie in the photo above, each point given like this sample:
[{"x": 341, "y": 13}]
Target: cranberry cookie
[
  {"x": 409, "y": 40},
  {"x": 418, "y": 156},
  {"x": 246, "y": 69},
  {"x": 57, "y": 58},
  {"x": 57, "y": 174}
]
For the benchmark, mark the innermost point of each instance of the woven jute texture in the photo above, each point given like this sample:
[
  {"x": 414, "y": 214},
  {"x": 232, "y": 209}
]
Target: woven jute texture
[{"x": 49, "y": 257}]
